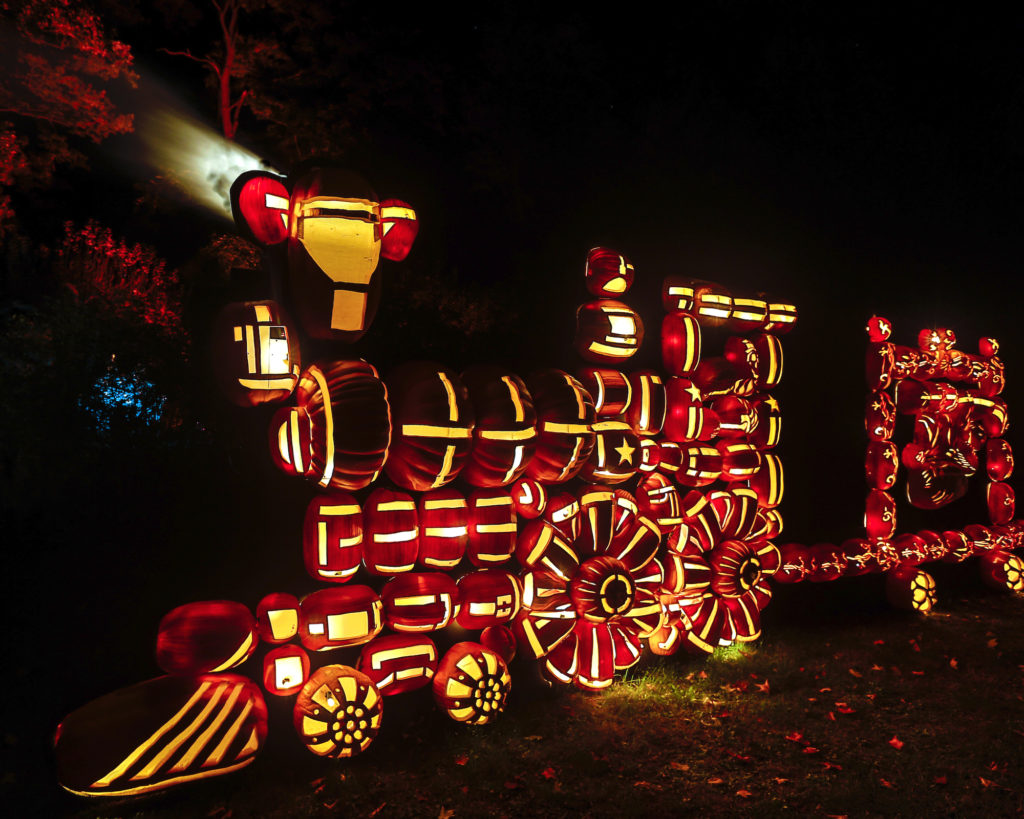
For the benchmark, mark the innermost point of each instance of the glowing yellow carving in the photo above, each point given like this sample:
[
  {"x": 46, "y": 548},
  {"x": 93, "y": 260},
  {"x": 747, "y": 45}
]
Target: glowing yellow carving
[
  {"x": 348, "y": 626},
  {"x": 318, "y": 376},
  {"x": 194, "y": 750},
  {"x": 284, "y": 623},
  {"x": 396, "y": 506},
  {"x": 240, "y": 654},
  {"x": 168, "y": 750},
  {"x": 507, "y": 435},
  {"x": 396, "y": 537},
  {"x": 444, "y": 503}
]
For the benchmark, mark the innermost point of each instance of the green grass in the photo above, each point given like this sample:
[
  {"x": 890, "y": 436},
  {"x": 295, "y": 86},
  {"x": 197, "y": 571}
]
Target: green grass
[{"x": 804, "y": 722}]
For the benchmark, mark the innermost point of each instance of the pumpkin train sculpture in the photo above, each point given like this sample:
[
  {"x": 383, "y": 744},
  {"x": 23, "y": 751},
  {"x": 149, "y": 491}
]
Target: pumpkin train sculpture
[{"x": 573, "y": 519}]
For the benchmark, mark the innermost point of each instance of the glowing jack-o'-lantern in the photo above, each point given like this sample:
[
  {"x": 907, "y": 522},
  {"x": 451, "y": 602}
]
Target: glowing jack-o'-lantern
[
  {"x": 255, "y": 353},
  {"x": 433, "y": 426},
  {"x": 160, "y": 733},
  {"x": 399, "y": 662},
  {"x": 610, "y": 389},
  {"x": 488, "y": 597},
  {"x": 285, "y": 670},
  {"x": 881, "y": 464},
  {"x": 608, "y": 331},
  {"x": 277, "y": 617},
  {"x": 768, "y": 481},
  {"x": 419, "y": 601},
  {"x": 444, "y": 528},
  {"x": 565, "y": 413},
  {"x": 608, "y": 273},
  {"x": 209, "y": 636},
  {"x": 1001, "y": 502},
  {"x": 338, "y": 711},
  {"x": 492, "y": 527},
  {"x": 338, "y": 617},
  {"x": 911, "y": 588},
  {"x": 1003, "y": 570},
  {"x": 391, "y": 532},
  {"x": 680, "y": 343},
  {"x": 879, "y": 515},
  {"x": 529, "y": 497},
  {"x": 998, "y": 459},
  {"x": 615, "y": 457},
  {"x": 500, "y": 640},
  {"x": 339, "y": 433},
  {"x": 332, "y": 537},
  {"x": 647, "y": 407},
  {"x": 472, "y": 683},
  {"x": 505, "y": 434}
]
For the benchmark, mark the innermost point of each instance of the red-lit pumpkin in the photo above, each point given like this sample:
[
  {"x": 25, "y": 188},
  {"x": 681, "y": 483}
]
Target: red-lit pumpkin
[
  {"x": 397, "y": 663},
  {"x": 563, "y": 512},
  {"x": 998, "y": 459},
  {"x": 390, "y": 532},
  {"x": 399, "y": 227},
  {"x": 647, "y": 407},
  {"x": 880, "y": 416},
  {"x": 828, "y": 562},
  {"x": 210, "y": 636},
  {"x": 749, "y": 314},
  {"x": 879, "y": 515},
  {"x": 700, "y": 465},
  {"x": 658, "y": 498},
  {"x": 277, "y": 617},
  {"x": 615, "y": 457},
  {"x": 444, "y": 528},
  {"x": 151, "y": 735},
  {"x": 911, "y": 588},
  {"x": 285, "y": 670},
  {"x": 339, "y": 433},
  {"x": 680, "y": 343},
  {"x": 255, "y": 353},
  {"x": 530, "y": 498},
  {"x": 912, "y": 549},
  {"x": 505, "y": 434},
  {"x": 419, "y": 601},
  {"x": 608, "y": 273},
  {"x": 687, "y": 419},
  {"x": 608, "y": 331},
  {"x": 879, "y": 329},
  {"x": 795, "y": 563},
  {"x": 768, "y": 351},
  {"x": 259, "y": 204},
  {"x": 500, "y": 640},
  {"x": 433, "y": 426},
  {"x": 337, "y": 713},
  {"x": 472, "y": 683},
  {"x": 338, "y": 617},
  {"x": 781, "y": 317},
  {"x": 1001, "y": 502},
  {"x": 959, "y": 547},
  {"x": 740, "y": 460},
  {"x": 1003, "y": 570},
  {"x": 881, "y": 464},
  {"x": 488, "y": 597},
  {"x": 878, "y": 365},
  {"x": 650, "y": 455},
  {"x": 492, "y": 527},
  {"x": 768, "y": 481},
  {"x": 332, "y": 537},
  {"x": 610, "y": 389},
  {"x": 565, "y": 413},
  {"x": 711, "y": 303}
]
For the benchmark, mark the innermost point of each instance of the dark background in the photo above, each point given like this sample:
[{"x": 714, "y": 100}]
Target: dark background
[{"x": 849, "y": 159}]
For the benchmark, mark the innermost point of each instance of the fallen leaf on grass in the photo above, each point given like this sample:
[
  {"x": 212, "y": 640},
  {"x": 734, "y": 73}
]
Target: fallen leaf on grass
[
  {"x": 879, "y": 642},
  {"x": 831, "y": 766},
  {"x": 914, "y": 645},
  {"x": 716, "y": 780},
  {"x": 855, "y": 672},
  {"x": 679, "y": 766},
  {"x": 764, "y": 688},
  {"x": 832, "y": 716},
  {"x": 843, "y": 708},
  {"x": 534, "y": 738},
  {"x": 941, "y": 780},
  {"x": 896, "y": 742},
  {"x": 703, "y": 675},
  {"x": 810, "y": 749},
  {"x": 445, "y": 813},
  {"x": 744, "y": 794},
  {"x": 988, "y": 783},
  {"x": 740, "y": 757},
  {"x": 992, "y": 643},
  {"x": 877, "y": 667},
  {"x": 549, "y": 773},
  {"x": 781, "y": 780},
  {"x": 954, "y": 664},
  {"x": 824, "y": 690},
  {"x": 464, "y": 789},
  {"x": 316, "y": 782},
  {"x": 330, "y": 805},
  {"x": 885, "y": 783},
  {"x": 796, "y": 736},
  {"x": 512, "y": 784},
  {"x": 378, "y": 809},
  {"x": 917, "y": 673},
  {"x": 642, "y": 783}
]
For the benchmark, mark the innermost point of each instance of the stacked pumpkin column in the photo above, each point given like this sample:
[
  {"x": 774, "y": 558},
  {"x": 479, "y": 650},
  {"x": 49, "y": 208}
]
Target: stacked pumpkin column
[{"x": 957, "y": 423}]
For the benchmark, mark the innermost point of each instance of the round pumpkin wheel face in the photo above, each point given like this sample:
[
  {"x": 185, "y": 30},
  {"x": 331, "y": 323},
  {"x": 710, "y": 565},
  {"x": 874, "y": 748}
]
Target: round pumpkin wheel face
[
  {"x": 922, "y": 588},
  {"x": 338, "y": 711},
  {"x": 602, "y": 589},
  {"x": 472, "y": 683}
]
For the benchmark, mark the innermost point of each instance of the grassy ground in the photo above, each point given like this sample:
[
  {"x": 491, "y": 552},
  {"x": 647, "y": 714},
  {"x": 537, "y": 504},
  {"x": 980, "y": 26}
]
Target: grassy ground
[{"x": 843, "y": 708}]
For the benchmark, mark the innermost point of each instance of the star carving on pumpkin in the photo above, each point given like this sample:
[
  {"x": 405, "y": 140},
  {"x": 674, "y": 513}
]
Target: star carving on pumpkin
[
  {"x": 625, "y": 453},
  {"x": 693, "y": 392},
  {"x": 773, "y": 405}
]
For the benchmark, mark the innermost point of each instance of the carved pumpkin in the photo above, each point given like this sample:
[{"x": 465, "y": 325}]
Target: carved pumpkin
[
  {"x": 608, "y": 274},
  {"x": 488, "y": 597},
  {"x": 530, "y": 498},
  {"x": 391, "y": 532},
  {"x": 879, "y": 515},
  {"x": 444, "y": 528},
  {"x": 1000, "y": 499},
  {"x": 338, "y": 711},
  {"x": 647, "y": 406},
  {"x": 565, "y": 413},
  {"x": 160, "y": 733},
  {"x": 397, "y": 663},
  {"x": 608, "y": 331},
  {"x": 615, "y": 457},
  {"x": 911, "y": 588},
  {"x": 611, "y": 390},
  {"x": 285, "y": 670},
  {"x": 680, "y": 343},
  {"x": 472, "y": 683},
  {"x": 332, "y": 537},
  {"x": 492, "y": 527},
  {"x": 505, "y": 434},
  {"x": 881, "y": 464},
  {"x": 338, "y": 617},
  {"x": 501, "y": 641},
  {"x": 277, "y": 618},
  {"x": 1003, "y": 570},
  {"x": 419, "y": 601},
  {"x": 210, "y": 636},
  {"x": 433, "y": 426},
  {"x": 998, "y": 459},
  {"x": 255, "y": 353}
]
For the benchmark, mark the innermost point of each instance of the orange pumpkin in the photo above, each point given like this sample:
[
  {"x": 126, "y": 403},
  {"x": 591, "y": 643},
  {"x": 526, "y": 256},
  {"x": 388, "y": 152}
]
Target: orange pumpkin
[
  {"x": 565, "y": 413},
  {"x": 419, "y": 601},
  {"x": 505, "y": 434},
  {"x": 608, "y": 273},
  {"x": 277, "y": 617},
  {"x": 255, "y": 353},
  {"x": 338, "y": 617},
  {"x": 397, "y": 663},
  {"x": 443, "y": 527},
  {"x": 210, "y": 636},
  {"x": 332, "y": 537},
  {"x": 472, "y": 683},
  {"x": 391, "y": 532},
  {"x": 338, "y": 711},
  {"x": 285, "y": 670},
  {"x": 608, "y": 331}
]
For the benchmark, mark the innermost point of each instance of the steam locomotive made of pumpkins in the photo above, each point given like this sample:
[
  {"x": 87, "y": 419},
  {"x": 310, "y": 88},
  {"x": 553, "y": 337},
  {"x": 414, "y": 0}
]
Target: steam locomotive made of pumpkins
[{"x": 574, "y": 519}]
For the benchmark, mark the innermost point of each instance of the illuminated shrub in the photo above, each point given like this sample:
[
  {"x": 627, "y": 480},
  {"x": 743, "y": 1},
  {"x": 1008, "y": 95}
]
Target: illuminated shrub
[
  {"x": 397, "y": 663},
  {"x": 277, "y": 617},
  {"x": 433, "y": 426},
  {"x": 337, "y": 712},
  {"x": 339, "y": 433},
  {"x": 285, "y": 670},
  {"x": 147, "y": 736},
  {"x": 504, "y": 437},
  {"x": 332, "y": 537},
  {"x": 210, "y": 636},
  {"x": 338, "y": 617},
  {"x": 472, "y": 683},
  {"x": 255, "y": 353}
]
